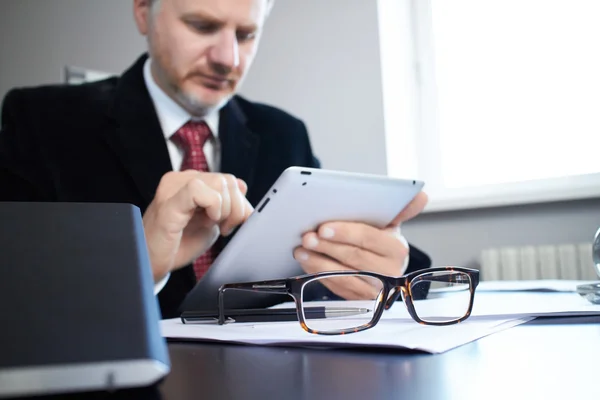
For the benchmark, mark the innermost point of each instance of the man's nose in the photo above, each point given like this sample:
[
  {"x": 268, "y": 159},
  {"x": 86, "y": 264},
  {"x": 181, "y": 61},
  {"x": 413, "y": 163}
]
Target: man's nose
[{"x": 225, "y": 54}]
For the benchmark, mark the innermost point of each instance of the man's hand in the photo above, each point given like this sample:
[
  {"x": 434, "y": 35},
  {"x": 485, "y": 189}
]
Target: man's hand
[
  {"x": 186, "y": 216},
  {"x": 349, "y": 246}
]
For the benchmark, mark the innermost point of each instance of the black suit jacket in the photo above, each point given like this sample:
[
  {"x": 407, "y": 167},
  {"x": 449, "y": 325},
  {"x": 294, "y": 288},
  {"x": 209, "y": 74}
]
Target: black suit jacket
[{"x": 102, "y": 142}]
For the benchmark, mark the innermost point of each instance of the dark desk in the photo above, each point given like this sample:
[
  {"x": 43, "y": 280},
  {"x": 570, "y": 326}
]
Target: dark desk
[
  {"x": 544, "y": 359},
  {"x": 536, "y": 360}
]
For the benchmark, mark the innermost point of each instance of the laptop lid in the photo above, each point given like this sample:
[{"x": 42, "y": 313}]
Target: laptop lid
[{"x": 77, "y": 300}]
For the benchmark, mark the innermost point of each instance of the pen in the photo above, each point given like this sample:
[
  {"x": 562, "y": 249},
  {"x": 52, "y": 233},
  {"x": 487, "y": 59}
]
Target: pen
[{"x": 271, "y": 314}]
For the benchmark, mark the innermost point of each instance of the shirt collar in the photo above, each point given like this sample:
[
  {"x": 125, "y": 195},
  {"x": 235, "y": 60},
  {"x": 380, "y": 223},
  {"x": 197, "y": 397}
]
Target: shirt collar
[{"x": 170, "y": 114}]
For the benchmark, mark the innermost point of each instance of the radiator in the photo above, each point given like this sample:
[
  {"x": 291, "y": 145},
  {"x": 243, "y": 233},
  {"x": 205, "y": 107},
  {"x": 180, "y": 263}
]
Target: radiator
[{"x": 563, "y": 261}]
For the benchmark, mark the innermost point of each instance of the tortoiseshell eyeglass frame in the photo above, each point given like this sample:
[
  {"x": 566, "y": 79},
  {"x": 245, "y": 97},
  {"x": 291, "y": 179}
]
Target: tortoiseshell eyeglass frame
[{"x": 392, "y": 288}]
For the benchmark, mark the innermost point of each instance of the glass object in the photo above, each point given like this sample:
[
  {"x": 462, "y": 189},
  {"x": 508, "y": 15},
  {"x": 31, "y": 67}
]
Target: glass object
[
  {"x": 454, "y": 284},
  {"x": 592, "y": 291},
  {"x": 596, "y": 251}
]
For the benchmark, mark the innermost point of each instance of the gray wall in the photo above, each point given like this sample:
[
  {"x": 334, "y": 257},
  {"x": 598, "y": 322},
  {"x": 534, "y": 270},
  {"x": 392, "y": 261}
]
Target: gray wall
[
  {"x": 457, "y": 237},
  {"x": 40, "y": 37},
  {"x": 318, "y": 60}
]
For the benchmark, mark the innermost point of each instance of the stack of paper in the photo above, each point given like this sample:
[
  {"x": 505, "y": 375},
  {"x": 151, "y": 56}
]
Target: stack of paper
[
  {"x": 532, "y": 304},
  {"x": 492, "y": 312},
  {"x": 392, "y": 333}
]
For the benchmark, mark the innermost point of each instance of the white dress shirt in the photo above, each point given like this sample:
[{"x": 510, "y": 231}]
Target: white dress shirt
[{"x": 172, "y": 117}]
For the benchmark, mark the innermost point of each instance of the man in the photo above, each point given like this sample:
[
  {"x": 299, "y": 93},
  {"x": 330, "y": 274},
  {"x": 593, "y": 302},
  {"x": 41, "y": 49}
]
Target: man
[{"x": 143, "y": 138}]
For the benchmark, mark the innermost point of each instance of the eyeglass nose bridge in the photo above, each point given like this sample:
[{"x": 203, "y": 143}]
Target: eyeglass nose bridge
[{"x": 393, "y": 296}]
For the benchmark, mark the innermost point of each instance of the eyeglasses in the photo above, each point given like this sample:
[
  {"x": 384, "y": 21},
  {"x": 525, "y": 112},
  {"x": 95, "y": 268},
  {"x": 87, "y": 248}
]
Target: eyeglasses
[{"x": 454, "y": 285}]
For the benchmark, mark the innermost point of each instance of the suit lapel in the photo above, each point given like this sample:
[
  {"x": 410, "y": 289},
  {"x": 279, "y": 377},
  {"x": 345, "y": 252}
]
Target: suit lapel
[
  {"x": 139, "y": 143},
  {"x": 239, "y": 145},
  {"x": 138, "y": 139}
]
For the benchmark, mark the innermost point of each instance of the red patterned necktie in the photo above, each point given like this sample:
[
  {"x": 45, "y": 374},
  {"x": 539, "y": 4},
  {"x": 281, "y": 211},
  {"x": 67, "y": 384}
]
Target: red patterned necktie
[{"x": 191, "y": 138}]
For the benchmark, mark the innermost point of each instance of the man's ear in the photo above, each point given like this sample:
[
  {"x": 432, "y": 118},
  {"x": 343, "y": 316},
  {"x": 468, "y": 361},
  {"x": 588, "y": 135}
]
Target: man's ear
[{"x": 141, "y": 13}]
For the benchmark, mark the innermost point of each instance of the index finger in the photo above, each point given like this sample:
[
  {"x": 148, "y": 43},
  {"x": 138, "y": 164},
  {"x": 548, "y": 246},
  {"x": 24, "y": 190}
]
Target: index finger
[
  {"x": 248, "y": 209},
  {"x": 193, "y": 195},
  {"x": 411, "y": 210},
  {"x": 242, "y": 186}
]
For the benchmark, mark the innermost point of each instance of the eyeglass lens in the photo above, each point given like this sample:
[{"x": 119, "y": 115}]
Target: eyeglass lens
[
  {"x": 453, "y": 289},
  {"x": 356, "y": 314}
]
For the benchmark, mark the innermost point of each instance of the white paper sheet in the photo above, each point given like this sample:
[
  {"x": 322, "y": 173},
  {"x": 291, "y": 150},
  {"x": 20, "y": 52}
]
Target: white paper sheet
[
  {"x": 390, "y": 333},
  {"x": 492, "y": 312},
  {"x": 541, "y": 285}
]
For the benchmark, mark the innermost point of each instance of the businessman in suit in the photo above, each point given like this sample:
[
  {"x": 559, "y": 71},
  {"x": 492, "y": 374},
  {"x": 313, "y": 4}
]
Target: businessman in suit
[{"x": 172, "y": 137}]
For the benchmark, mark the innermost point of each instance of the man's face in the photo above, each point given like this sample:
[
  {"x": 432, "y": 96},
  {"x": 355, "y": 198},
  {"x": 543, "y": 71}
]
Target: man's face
[{"x": 201, "y": 49}]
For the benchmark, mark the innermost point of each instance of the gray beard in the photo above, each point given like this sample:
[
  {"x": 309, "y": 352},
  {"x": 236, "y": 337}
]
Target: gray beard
[{"x": 197, "y": 107}]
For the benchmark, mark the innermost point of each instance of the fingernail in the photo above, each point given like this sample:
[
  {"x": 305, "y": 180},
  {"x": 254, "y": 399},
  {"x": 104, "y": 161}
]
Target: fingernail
[
  {"x": 312, "y": 242},
  {"x": 302, "y": 256},
  {"x": 327, "y": 233}
]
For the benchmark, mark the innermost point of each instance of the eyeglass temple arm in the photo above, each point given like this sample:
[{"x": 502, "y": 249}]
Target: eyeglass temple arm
[{"x": 273, "y": 286}]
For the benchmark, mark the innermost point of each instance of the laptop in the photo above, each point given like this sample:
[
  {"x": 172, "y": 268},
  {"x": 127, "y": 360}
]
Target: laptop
[{"x": 77, "y": 300}]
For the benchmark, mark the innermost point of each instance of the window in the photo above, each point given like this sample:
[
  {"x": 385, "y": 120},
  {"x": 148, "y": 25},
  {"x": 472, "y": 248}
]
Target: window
[{"x": 493, "y": 102}]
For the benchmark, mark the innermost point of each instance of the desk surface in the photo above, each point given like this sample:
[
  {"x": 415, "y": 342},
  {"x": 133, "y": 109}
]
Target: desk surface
[{"x": 549, "y": 359}]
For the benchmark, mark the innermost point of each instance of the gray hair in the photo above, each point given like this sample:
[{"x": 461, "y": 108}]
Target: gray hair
[{"x": 270, "y": 3}]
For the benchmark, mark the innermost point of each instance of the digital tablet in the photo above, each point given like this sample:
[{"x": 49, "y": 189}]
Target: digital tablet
[{"x": 298, "y": 202}]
